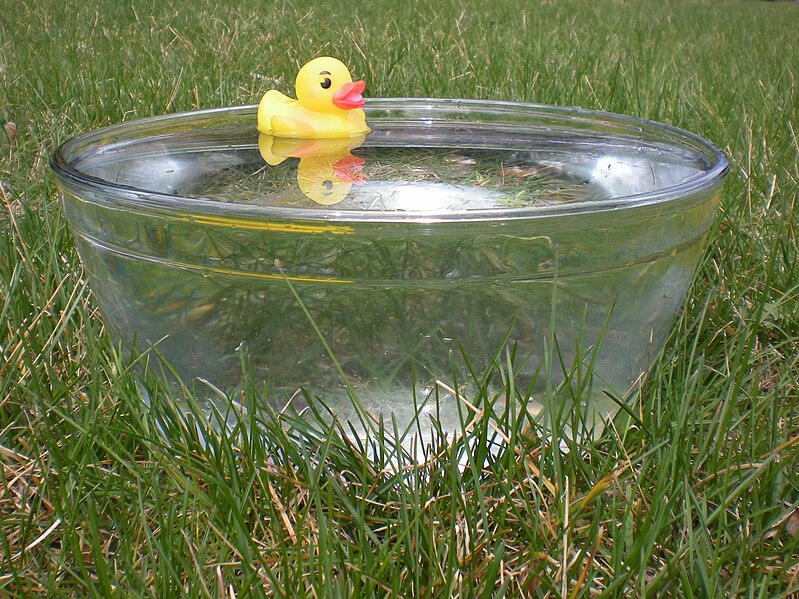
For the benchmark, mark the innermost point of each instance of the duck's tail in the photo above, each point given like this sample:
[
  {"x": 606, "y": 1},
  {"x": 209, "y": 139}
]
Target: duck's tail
[{"x": 270, "y": 104}]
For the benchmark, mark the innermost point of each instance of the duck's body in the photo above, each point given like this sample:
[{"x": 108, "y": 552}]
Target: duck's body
[
  {"x": 328, "y": 104},
  {"x": 281, "y": 116}
]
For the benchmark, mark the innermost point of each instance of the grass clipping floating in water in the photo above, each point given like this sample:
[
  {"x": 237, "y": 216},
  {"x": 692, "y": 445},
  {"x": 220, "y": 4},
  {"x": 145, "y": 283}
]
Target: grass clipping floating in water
[{"x": 514, "y": 181}]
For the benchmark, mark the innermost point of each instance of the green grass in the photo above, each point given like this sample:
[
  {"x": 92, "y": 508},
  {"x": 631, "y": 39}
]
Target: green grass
[{"x": 698, "y": 497}]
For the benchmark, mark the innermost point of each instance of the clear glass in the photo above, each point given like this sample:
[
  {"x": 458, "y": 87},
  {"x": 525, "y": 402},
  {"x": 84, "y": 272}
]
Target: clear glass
[{"x": 457, "y": 236}]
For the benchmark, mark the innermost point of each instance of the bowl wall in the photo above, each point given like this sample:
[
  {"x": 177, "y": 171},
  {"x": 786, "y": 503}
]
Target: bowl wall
[{"x": 578, "y": 296}]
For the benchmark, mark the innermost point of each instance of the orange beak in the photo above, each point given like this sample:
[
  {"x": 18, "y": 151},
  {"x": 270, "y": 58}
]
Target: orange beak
[{"x": 348, "y": 96}]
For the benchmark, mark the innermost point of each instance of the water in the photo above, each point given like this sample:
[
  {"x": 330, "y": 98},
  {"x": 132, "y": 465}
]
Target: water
[
  {"x": 384, "y": 174},
  {"x": 392, "y": 341},
  {"x": 582, "y": 301}
]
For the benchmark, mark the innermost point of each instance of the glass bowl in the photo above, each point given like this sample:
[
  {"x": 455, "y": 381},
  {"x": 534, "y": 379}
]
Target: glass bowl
[{"x": 461, "y": 245}]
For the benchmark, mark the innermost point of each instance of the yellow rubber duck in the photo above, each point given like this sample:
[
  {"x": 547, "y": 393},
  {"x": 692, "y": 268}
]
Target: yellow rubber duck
[
  {"x": 326, "y": 171},
  {"x": 328, "y": 104}
]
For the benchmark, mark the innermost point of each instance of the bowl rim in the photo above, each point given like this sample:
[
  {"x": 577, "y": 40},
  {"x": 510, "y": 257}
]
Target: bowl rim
[{"x": 138, "y": 199}]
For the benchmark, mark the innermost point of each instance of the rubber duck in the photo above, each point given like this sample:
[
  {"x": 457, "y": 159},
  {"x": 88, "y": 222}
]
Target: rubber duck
[
  {"x": 326, "y": 171},
  {"x": 328, "y": 104}
]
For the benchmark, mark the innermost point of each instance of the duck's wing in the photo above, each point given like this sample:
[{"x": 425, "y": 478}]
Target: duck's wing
[{"x": 284, "y": 125}]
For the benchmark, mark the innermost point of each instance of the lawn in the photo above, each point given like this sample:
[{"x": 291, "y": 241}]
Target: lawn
[{"x": 697, "y": 495}]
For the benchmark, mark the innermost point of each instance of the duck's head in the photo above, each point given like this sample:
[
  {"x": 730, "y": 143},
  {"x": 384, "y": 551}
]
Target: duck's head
[{"x": 325, "y": 85}]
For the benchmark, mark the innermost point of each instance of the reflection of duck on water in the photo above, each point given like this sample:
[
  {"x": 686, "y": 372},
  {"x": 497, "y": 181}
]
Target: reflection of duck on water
[
  {"x": 328, "y": 104},
  {"x": 327, "y": 170}
]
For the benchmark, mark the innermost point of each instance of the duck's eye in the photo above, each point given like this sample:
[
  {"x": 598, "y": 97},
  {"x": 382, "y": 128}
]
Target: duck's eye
[{"x": 325, "y": 83}]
